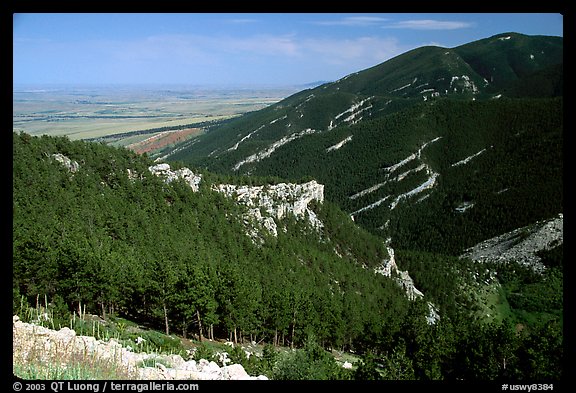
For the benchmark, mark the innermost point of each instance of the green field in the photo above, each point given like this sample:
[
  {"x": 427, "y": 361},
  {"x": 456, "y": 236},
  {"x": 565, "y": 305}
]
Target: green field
[{"x": 92, "y": 112}]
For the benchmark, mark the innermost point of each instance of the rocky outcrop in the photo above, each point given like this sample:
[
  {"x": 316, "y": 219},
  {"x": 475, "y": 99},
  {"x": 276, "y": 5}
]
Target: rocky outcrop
[
  {"x": 403, "y": 279},
  {"x": 270, "y": 202},
  {"x": 33, "y": 343},
  {"x": 72, "y": 166},
  {"x": 277, "y": 200},
  {"x": 265, "y": 203},
  {"x": 521, "y": 245},
  {"x": 164, "y": 171}
]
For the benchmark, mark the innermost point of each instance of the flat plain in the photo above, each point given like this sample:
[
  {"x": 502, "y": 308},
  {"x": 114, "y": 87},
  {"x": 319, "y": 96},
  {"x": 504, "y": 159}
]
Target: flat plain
[{"x": 88, "y": 112}]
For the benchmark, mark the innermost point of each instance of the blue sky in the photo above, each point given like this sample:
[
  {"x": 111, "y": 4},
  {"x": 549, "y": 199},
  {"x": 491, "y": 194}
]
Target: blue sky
[{"x": 237, "y": 49}]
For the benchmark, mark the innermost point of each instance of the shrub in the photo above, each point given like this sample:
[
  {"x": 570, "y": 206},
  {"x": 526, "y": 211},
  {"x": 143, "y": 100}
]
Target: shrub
[
  {"x": 162, "y": 343},
  {"x": 153, "y": 361},
  {"x": 367, "y": 369},
  {"x": 310, "y": 363},
  {"x": 203, "y": 351},
  {"x": 268, "y": 360},
  {"x": 237, "y": 355}
]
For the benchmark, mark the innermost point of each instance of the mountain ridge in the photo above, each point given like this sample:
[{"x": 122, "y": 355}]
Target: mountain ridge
[
  {"x": 386, "y": 112},
  {"x": 399, "y": 77}
]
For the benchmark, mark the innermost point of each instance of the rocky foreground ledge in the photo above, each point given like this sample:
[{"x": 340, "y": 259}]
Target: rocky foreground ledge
[{"x": 39, "y": 344}]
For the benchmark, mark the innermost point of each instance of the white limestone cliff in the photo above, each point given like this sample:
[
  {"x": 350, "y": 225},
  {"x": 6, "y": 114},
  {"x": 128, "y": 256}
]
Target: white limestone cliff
[
  {"x": 277, "y": 201},
  {"x": 403, "y": 279},
  {"x": 265, "y": 204},
  {"x": 72, "y": 166},
  {"x": 164, "y": 171}
]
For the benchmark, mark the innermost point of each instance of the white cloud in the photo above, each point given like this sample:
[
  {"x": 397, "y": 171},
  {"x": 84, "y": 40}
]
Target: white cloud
[
  {"x": 366, "y": 50},
  {"x": 266, "y": 58},
  {"x": 262, "y": 54},
  {"x": 261, "y": 45},
  {"x": 207, "y": 49},
  {"x": 356, "y": 21},
  {"x": 186, "y": 49},
  {"x": 429, "y": 24}
]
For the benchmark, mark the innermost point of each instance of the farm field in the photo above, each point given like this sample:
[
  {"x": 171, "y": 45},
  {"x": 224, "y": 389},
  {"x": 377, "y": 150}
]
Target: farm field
[
  {"x": 90, "y": 112},
  {"x": 162, "y": 139}
]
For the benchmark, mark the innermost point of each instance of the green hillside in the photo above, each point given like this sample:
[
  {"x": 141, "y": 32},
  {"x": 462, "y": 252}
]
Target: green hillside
[
  {"x": 152, "y": 251},
  {"x": 515, "y": 179},
  {"x": 421, "y": 157},
  {"x": 506, "y": 58},
  {"x": 121, "y": 243},
  {"x": 478, "y": 70},
  {"x": 499, "y": 97}
]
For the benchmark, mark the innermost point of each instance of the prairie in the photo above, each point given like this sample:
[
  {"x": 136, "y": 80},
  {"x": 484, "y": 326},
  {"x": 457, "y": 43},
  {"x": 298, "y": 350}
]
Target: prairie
[{"x": 86, "y": 112}]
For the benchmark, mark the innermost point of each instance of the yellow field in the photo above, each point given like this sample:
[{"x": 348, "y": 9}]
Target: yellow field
[
  {"x": 93, "y": 128},
  {"x": 97, "y": 112}
]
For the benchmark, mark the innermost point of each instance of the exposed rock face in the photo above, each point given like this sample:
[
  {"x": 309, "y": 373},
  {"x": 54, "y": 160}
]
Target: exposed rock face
[
  {"x": 388, "y": 265},
  {"x": 402, "y": 277},
  {"x": 277, "y": 201},
  {"x": 521, "y": 245},
  {"x": 265, "y": 203},
  {"x": 72, "y": 166},
  {"x": 164, "y": 171},
  {"x": 406, "y": 282},
  {"x": 32, "y": 342}
]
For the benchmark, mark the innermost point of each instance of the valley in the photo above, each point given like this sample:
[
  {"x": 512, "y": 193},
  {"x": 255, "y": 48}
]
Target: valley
[
  {"x": 127, "y": 115},
  {"x": 409, "y": 215}
]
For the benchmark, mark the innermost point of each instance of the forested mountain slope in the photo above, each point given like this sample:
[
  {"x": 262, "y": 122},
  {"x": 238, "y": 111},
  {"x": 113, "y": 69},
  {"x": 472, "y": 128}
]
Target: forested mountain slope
[
  {"x": 412, "y": 161},
  {"x": 438, "y": 148},
  {"x": 479, "y": 70},
  {"x": 94, "y": 227},
  {"x": 442, "y": 176}
]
